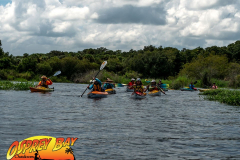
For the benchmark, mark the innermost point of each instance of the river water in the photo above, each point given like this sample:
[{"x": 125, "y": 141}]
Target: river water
[{"x": 179, "y": 125}]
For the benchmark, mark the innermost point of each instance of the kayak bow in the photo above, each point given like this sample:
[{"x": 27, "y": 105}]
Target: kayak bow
[
  {"x": 96, "y": 94},
  {"x": 154, "y": 93},
  {"x": 110, "y": 91}
]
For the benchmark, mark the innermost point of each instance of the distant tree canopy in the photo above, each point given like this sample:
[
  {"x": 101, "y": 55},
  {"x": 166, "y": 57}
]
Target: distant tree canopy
[{"x": 150, "y": 62}]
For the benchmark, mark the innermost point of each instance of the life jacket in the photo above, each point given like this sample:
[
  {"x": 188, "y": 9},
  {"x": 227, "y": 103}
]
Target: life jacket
[
  {"x": 214, "y": 87},
  {"x": 130, "y": 83},
  {"x": 138, "y": 88},
  {"x": 108, "y": 86},
  {"x": 44, "y": 84},
  {"x": 191, "y": 86},
  {"x": 153, "y": 87},
  {"x": 97, "y": 88}
]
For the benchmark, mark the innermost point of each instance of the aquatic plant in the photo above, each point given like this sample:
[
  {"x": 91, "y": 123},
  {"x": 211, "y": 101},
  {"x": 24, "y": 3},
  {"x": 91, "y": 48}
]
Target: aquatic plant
[
  {"x": 7, "y": 85},
  {"x": 231, "y": 97}
]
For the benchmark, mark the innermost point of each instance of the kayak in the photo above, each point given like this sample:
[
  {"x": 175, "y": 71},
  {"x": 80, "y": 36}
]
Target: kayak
[
  {"x": 203, "y": 90},
  {"x": 41, "y": 89},
  {"x": 129, "y": 90},
  {"x": 110, "y": 91},
  {"x": 138, "y": 95},
  {"x": 97, "y": 94},
  {"x": 120, "y": 85},
  {"x": 164, "y": 85},
  {"x": 188, "y": 89},
  {"x": 154, "y": 93}
]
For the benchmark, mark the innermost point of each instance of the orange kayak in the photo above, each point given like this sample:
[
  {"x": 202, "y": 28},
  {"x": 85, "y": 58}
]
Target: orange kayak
[
  {"x": 41, "y": 89},
  {"x": 97, "y": 94}
]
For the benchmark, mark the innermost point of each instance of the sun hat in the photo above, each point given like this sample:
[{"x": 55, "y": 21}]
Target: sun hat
[
  {"x": 138, "y": 79},
  {"x": 160, "y": 80},
  {"x": 44, "y": 76},
  {"x": 153, "y": 80},
  {"x": 109, "y": 80},
  {"x": 132, "y": 79}
]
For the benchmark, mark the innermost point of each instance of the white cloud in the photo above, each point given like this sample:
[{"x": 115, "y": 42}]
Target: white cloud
[{"x": 70, "y": 25}]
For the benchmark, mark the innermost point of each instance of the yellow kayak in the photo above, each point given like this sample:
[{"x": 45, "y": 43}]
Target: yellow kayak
[
  {"x": 203, "y": 90},
  {"x": 41, "y": 89},
  {"x": 154, "y": 93},
  {"x": 110, "y": 91}
]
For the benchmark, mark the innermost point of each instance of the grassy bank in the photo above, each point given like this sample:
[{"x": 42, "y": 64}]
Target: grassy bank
[
  {"x": 231, "y": 97},
  {"x": 7, "y": 85}
]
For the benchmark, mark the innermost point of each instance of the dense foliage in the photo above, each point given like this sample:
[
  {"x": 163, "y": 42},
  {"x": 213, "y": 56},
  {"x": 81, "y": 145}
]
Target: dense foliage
[
  {"x": 231, "y": 97},
  {"x": 201, "y": 64}
]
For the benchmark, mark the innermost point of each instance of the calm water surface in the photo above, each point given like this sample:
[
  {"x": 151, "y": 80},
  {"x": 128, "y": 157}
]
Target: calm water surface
[{"x": 179, "y": 125}]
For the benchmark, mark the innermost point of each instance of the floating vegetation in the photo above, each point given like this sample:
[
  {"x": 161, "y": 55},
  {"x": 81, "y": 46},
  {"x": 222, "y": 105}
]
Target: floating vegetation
[
  {"x": 7, "y": 85},
  {"x": 231, "y": 97}
]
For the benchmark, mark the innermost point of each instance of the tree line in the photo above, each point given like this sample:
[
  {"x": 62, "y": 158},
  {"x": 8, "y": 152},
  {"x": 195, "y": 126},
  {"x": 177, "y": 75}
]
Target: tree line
[{"x": 149, "y": 62}]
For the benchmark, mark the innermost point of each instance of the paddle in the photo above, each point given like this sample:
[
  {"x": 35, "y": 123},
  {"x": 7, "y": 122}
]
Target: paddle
[
  {"x": 56, "y": 74},
  {"x": 101, "y": 67}
]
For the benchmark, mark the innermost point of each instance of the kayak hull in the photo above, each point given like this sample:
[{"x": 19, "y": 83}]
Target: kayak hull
[
  {"x": 137, "y": 96},
  {"x": 129, "y": 90},
  {"x": 41, "y": 89},
  {"x": 154, "y": 93},
  {"x": 203, "y": 90},
  {"x": 96, "y": 94},
  {"x": 110, "y": 91},
  {"x": 188, "y": 89}
]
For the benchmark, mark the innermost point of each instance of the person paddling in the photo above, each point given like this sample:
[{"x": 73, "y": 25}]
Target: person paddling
[
  {"x": 214, "y": 86},
  {"x": 44, "y": 82},
  {"x": 131, "y": 83},
  {"x": 154, "y": 86},
  {"x": 191, "y": 86},
  {"x": 96, "y": 86},
  {"x": 108, "y": 84},
  {"x": 138, "y": 87}
]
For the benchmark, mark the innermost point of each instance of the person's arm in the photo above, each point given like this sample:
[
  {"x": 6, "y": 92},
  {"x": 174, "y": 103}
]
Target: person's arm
[
  {"x": 49, "y": 82},
  {"x": 90, "y": 87},
  {"x": 39, "y": 84},
  {"x": 105, "y": 85},
  {"x": 98, "y": 81}
]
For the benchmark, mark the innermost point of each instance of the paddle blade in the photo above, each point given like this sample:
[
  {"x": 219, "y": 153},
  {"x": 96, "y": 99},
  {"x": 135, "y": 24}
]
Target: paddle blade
[
  {"x": 57, "y": 73},
  {"x": 103, "y": 65}
]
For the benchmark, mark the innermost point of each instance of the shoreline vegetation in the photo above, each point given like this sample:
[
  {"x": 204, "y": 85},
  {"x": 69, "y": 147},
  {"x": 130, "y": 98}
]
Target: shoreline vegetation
[
  {"x": 8, "y": 85},
  {"x": 230, "y": 97},
  {"x": 178, "y": 68}
]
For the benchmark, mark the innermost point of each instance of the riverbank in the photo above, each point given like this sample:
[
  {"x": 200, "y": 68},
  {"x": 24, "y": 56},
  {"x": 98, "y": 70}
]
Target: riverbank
[{"x": 231, "y": 97}]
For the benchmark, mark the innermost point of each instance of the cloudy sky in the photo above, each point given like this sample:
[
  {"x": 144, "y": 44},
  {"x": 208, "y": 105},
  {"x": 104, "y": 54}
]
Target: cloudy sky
[{"x": 39, "y": 26}]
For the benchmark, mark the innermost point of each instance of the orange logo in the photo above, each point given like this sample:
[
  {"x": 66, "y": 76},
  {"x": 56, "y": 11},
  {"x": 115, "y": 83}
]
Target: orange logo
[{"x": 42, "y": 148}]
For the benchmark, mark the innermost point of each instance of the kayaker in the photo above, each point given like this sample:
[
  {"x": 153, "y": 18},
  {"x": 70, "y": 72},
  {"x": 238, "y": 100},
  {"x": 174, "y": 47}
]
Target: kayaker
[
  {"x": 131, "y": 83},
  {"x": 108, "y": 84},
  {"x": 154, "y": 86},
  {"x": 45, "y": 82},
  {"x": 191, "y": 86},
  {"x": 96, "y": 86},
  {"x": 214, "y": 86},
  {"x": 160, "y": 83},
  {"x": 138, "y": 87}
]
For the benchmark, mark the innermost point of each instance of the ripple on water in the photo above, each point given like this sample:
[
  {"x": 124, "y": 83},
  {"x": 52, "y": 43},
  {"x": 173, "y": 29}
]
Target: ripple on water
[{"x": 179, "y": 125}]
